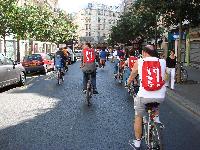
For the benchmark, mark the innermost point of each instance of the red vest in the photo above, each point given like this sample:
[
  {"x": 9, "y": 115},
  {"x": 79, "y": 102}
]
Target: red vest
[
  {"x": 88, "y": 55},
  {"x": 132, "y": 60}
]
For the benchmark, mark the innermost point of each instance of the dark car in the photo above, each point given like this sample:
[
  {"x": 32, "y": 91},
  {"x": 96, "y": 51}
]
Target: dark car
[
  {"x": 39, "y": 62},
  {"x": 11, "y": 72}
]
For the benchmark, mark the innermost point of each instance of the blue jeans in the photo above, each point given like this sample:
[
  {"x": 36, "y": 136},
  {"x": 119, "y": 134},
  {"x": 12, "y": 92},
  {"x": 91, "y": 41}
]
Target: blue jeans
[
  {"x": 86, "y": 78},
  {"x": 126, "y": 74},
  {"x": 116, "y": 66}
]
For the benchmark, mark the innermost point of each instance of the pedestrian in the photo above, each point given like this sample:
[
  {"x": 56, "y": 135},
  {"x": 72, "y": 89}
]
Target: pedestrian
[
  {"x": 88, "y": 66},
  {"x": 103, "y": 56},
  {"x": 171, "y": 65}
]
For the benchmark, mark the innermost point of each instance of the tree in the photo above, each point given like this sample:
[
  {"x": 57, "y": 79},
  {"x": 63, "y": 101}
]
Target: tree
[
  {"x": 7, "y": 8},
  {"x": 175, "y": 13},
  {"x": 139, "y": 21}
]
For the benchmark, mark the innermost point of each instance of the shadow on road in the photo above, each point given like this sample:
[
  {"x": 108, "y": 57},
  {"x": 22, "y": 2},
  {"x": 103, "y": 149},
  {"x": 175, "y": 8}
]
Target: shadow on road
[{"x": 67, "y": 122}]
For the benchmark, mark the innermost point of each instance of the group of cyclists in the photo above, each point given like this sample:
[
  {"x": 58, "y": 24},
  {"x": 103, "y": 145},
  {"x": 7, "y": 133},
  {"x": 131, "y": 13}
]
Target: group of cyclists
[{"x": 143, "y": 68}]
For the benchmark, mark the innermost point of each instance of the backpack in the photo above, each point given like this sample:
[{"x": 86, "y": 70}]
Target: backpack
[
  {"x": 151, "y": 76},
  {"x": 88, "y": 56},
  {"x": 58, "y": 61},
  {"x": 132, "y": 60}
]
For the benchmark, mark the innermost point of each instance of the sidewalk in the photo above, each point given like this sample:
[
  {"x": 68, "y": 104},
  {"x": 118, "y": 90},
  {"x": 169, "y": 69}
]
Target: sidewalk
[{"x": 188, "y": 94}]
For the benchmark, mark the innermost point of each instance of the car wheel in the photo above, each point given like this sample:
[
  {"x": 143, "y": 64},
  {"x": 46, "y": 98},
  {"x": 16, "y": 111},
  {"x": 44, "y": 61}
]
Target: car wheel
[{"x": 22, "y": 80}]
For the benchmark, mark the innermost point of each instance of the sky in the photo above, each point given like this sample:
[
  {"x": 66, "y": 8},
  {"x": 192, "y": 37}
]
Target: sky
[{"x": 75, "y": 5}]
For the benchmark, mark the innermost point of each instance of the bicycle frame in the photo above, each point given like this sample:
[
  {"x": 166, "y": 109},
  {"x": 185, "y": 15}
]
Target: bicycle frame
[{"x": 59, "y": 75}]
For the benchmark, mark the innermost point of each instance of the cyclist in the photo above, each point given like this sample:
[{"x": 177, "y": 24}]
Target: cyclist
[
  {"x": 120, "y": 55},
  {"x": 103, "y": 55},
  {"x": 88, "y": 64},
  {"x": 129, "y": 63},
  {"x": 66, "y": 55},
  {"x": 60, "y": 60},
  {"x": 151, "y": 72}
]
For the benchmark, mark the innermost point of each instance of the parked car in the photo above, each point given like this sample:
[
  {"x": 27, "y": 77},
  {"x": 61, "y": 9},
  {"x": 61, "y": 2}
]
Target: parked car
[
  {"x": 11, "y": 72},
  {"x": 38, "y": 62},
  {"x": 78, "y": 54}
]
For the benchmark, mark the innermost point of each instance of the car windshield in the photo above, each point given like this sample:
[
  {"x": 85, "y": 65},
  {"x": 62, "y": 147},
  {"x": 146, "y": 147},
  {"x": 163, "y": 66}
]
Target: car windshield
[{"x": 33, "y": 57}]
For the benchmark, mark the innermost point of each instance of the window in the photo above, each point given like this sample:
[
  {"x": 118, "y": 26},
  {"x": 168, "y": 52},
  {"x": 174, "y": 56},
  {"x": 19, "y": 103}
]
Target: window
[
  {"x": 99, "y": 12},
  {"x": 89, "y": 34},
  {"x": 89, "y": 26},
  {"x": 86, "y": 33},
  {"x": 104, "y": 26},
  {"x": 99, "y": 20},
  {"x": 86, "y": 26},
  {"x": 99, "y": 28},
  {"x": 48, "y": 57},
  {"x": 8, "y": 61},
  {"x": 1, "y": 59}
]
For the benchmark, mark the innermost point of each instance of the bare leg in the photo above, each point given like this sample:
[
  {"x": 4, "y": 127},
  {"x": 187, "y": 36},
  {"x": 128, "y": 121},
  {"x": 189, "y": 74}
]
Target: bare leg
[{"x": 138, "y": 127}]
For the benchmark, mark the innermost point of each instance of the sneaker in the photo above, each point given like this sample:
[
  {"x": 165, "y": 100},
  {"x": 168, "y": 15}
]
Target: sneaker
[
  {"x": 132, "y": 144},
  {"x": 95, "y": 92}
]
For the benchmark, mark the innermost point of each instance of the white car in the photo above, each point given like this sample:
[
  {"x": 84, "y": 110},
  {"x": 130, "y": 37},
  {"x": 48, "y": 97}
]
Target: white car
[{"x": 78, "y": 54}]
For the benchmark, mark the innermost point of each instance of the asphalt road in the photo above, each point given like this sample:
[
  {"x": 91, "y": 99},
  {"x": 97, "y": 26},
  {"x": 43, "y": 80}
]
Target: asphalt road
[{"x": 45, "y": 116}]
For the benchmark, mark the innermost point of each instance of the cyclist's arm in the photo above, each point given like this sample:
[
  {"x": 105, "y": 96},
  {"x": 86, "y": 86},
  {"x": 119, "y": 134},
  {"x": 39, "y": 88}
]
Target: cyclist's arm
[{"x": 134, "y": 73}]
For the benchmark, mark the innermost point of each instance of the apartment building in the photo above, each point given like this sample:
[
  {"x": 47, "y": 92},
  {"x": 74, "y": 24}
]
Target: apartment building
[
  {"x": 126, "y": 4},
  {"x": 95, "y": 22}
]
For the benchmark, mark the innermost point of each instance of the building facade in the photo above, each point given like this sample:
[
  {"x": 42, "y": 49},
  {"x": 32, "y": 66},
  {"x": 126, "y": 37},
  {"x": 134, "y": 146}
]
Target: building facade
[
  {"x": 53, "y": 4},
  {"x": 126, "y": 4},
  {"x": 95, "y": 22}
]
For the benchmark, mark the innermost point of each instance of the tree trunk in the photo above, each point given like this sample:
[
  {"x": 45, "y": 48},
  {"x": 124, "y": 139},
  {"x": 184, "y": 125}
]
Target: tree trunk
[
  {"x": 18, "y": 49},
  {"x": 4, "y": 41},
  {"x": 188, "y": 46},
  {"x": 179, "y": 53}
]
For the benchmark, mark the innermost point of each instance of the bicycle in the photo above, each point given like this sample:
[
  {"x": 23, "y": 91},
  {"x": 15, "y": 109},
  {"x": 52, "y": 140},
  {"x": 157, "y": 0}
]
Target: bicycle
[
  {"x": 152, "y": 131},
  {"x": 89, "y": 91},
  {"x": 184, "y": 74},
  {"x": 120, "y": 71}
]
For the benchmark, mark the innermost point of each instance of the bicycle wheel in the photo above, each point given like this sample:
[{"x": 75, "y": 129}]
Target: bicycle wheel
[
  {"x": 88, "y": 93},
  {"x": 184, "y": 75},
  {"x": 145, "y": 134},
  {"x": 58, "y": 77},
  {"x": 156, "y": 137}
]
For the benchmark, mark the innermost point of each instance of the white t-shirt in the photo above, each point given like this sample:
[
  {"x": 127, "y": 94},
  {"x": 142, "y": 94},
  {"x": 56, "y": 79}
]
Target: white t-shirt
[
  {"x": 115, "y": 54},
  {"x": 151, "y": 94}
]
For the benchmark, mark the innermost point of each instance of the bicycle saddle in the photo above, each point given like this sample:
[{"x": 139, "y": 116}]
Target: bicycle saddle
[
  {"x": 150, "y": 106},
  {"x": 89, "y": 71}
]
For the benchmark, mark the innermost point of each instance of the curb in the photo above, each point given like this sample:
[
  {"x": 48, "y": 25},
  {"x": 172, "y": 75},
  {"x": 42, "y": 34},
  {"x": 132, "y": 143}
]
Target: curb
[{"x": 186, "y": 103}]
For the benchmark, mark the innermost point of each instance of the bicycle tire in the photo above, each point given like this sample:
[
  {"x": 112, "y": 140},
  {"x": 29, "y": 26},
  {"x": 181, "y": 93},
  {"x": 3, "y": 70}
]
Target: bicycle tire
[
  {"x": 156, "y": 137},
  {"x": 88, "y": 93},
  {"x": 58, "y": 77}
]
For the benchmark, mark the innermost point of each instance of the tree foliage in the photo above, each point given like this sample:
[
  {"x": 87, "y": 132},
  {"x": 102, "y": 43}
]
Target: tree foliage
[
  {"x": 146, "y": 17},
  {"x": 35, "y": 22}
]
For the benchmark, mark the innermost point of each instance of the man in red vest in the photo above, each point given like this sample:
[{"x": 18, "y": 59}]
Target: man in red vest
[
  {"x": 88, "y": 66},
  {"x": 152, "y": 88}
]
